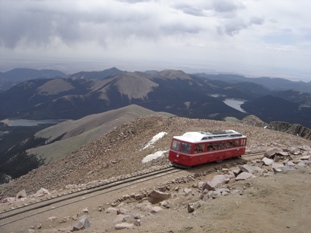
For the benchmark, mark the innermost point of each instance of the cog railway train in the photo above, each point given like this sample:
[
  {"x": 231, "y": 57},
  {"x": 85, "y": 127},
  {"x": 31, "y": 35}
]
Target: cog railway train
[{"x": 195, "y": 148}]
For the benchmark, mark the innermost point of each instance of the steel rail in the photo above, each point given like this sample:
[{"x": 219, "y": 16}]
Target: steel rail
[{"x": 86, "y": 191}]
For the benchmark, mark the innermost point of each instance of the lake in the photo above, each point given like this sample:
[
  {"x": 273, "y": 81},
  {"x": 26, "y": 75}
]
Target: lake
[{"x": 236, "y": 104}]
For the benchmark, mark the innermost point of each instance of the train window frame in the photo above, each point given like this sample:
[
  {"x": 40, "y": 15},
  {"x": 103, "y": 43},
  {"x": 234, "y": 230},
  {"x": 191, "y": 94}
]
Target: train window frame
[
  {"x": 185, "y": 147},
  {"x": 175, "y": 145},
  {"x": 200, "y": 147}
]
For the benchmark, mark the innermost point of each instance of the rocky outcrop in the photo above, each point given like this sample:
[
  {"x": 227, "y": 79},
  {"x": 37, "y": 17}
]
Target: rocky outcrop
[
  {"x": 252, "y": 120},
  {"x": 294, "y": 129}
]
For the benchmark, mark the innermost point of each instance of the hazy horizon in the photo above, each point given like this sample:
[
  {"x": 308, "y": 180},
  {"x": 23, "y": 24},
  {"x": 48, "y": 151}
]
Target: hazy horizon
[{"x": 249, "y": 37}]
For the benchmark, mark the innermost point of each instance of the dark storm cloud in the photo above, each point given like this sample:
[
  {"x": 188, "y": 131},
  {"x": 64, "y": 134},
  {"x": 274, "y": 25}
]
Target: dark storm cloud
[{"x": 38, "y": 23}]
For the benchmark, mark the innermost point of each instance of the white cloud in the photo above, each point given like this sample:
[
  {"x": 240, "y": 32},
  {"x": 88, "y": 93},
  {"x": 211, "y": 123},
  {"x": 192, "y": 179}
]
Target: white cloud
[{"x": 201, "y": 33}]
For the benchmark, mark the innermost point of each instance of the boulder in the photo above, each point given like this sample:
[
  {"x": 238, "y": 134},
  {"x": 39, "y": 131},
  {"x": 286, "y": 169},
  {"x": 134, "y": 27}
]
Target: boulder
[
  {"x": 306, "y": 157},
  {"x": 270, "y": 153},
  {"x": 200, "y": 185},
  {"x": 215, "y": 182},
  {"x": 81, "y": 224},
  {"x": 121, "y": 218},
  {"x": 190, "y": 208},
  {"x": 244, "y": 176},
  {"x": 266, "y": 161},
  {"x": 294, "y": 151},
  {"x": 42, "y": 192},
  {"x": 251, "y": 169},
  {"x": 122, "y": 211},
  {"x": 21, "y": 194},
  {"x": 187, "y": 191},
  {"x": 165, "y": 204},
  {"x": 156, "y": 209},
  {"x": 290, "y": 163},
  {"x": 157, "y": 196},
  {"x": 277, "y": 167}
]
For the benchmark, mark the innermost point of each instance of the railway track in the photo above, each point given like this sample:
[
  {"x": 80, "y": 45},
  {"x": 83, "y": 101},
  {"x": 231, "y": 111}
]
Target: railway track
[{"x": 31, "y": 209}]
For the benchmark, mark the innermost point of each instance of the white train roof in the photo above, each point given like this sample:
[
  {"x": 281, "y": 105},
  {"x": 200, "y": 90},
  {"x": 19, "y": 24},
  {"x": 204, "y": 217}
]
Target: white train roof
[{"x": 209, "y": 135}]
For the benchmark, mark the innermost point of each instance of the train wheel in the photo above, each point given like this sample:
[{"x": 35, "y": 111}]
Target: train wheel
[{"x": 219, "y": 161}]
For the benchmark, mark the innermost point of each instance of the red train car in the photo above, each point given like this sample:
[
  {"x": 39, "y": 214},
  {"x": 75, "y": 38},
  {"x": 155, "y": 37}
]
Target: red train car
[{"x": 194, "y": 148}]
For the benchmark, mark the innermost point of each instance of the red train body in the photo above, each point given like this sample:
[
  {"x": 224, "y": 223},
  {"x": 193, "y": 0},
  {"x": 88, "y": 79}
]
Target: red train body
[{"x": 194, "y": 148}]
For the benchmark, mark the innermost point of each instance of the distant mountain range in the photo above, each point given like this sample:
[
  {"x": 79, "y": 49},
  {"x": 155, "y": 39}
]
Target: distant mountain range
[
  {"x": 173, "y": 91},
  {"x": 11, "y": 78}
]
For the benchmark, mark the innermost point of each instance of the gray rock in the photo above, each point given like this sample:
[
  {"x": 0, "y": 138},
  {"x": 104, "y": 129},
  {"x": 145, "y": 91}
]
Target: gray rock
[
  {"x": 42, "y": 192},
  {"x": 267, "y": 161},
  {"x": 215, "y": 182},
  {"x": 301, "y": 164},
  {"x": 187, "y": 191},
  {"x": 21, "y": 194},
  {"x": 200, "y": 185},
  {"x": 111, "y": 210},
  {"x": 156, "y": 209},
  {"x": 82, "y": 223},
  {"x": 165, "y": 204},
  {"x": 124, "y": 225},
  {"x": 122, "y": 211},
  {"x": 251, "y": 169},
  {"x": 270, "y": 153},
  {"x": 121, "y": 218},
  {"x": 237, "y": 192},
  {"x": 277, "y": 167},
  {"x": 306, "y": 157},
  {"x": 8, "y": 200},
  {"x": 190, "y": 207},
  {"x": 287, "y": 168},
  {"x": 207, "y": 186},
  {"x": 290, "y": 163},
  {"x": 244, "y": 176},
  {"x": 157, "y": 196},
  {"x": 294, "y": 151}
]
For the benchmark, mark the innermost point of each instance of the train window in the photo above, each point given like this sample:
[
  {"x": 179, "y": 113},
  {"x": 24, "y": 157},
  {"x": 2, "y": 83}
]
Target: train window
[
  {"x": 175, "y": 145},
  {"x": 243, "y": 142},
  {"x": 198, "y": 148},
  {"x": 222, "y": 145},
  {"x": 236, "y": 142},
  {"x": 210, "y": 147},
  {"x": 185, "y": 147},
  {"x": 215, "y": 147}
]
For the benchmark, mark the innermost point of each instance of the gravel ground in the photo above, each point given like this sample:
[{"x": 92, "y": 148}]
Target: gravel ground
[{"x": 276, "y": 203}]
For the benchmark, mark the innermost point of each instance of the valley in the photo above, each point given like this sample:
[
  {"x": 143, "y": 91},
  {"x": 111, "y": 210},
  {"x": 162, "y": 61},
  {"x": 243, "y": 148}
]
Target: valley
[{"x": 96, "y": 102}]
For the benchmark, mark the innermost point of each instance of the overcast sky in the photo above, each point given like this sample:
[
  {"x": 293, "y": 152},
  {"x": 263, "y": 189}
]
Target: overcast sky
[{"x": 252, "y": 37}]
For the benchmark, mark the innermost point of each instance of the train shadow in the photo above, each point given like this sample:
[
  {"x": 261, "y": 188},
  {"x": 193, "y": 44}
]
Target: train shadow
[{"x": 213, "y": 166}]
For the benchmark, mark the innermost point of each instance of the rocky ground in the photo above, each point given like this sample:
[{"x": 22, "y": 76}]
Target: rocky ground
[{"x": 264, "y": 195}]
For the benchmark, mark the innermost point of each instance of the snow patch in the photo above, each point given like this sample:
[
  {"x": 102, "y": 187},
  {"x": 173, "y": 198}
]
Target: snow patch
[
  {"x": 156, "y": 155},
  {"x": 154, "y": 139}
]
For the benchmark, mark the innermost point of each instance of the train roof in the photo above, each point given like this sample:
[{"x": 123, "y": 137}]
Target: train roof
[{"x": 209, "y": 135}]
